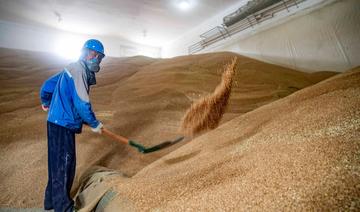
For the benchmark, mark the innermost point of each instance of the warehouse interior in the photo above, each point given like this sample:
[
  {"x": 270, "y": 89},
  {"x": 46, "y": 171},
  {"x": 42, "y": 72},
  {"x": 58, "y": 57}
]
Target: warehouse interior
[{"x": 272, "y": 86}]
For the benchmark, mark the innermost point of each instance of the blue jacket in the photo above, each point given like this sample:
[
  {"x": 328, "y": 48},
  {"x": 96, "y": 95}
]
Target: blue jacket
[{"x": 67, "y": 95}]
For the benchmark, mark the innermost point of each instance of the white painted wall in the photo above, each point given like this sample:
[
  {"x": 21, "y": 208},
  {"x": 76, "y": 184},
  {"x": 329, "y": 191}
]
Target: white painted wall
[
  {"x": 27, "y": 37},
  {"x": 327, "y": 38},
  {"x": 313, "y": 39}
]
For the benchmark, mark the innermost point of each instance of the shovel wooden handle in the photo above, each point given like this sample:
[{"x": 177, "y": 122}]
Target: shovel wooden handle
[{"x": 114, "y": 136}]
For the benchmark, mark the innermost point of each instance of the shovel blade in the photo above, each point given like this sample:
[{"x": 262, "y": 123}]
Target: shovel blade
[{"x": 162, "y": 145}]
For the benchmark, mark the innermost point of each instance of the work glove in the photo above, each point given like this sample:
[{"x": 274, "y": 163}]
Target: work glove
[
  {"x": 98, "y": 128},
  {"x": 45, "y": 108}
]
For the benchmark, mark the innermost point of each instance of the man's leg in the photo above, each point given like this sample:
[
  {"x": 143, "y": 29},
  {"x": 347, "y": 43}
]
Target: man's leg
[
  {"x": 62, "y": 166},
  {"x": 70, "y": 163},
  {"x": 48, "y": 192}
]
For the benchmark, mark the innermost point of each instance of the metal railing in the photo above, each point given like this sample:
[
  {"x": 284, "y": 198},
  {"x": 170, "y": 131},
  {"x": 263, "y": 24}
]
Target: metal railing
[{"x": 219, "y": 33}]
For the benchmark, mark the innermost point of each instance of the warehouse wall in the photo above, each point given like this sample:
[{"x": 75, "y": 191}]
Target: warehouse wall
[
  {"x": 27, "y": 37},
  {"x": 325, "y": 39}
]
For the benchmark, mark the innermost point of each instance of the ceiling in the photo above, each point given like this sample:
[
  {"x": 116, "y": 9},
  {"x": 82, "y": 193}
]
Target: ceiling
[{"x": 151, "y": 22}]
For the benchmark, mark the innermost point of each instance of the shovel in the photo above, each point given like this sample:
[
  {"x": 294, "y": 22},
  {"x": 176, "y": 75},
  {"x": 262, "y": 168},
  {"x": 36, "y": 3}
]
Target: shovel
[{"x": 138, "y": 146}]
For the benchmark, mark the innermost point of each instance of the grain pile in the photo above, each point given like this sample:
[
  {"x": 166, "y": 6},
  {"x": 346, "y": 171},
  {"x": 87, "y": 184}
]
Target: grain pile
[
  {"x": 138, "y": 97},
  {"x": 206, "y": 113},
  {"x": 298, "y": 153}
]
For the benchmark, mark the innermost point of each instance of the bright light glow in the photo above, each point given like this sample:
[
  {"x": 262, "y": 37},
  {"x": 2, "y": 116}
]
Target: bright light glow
[
  {"x": 149, "y": 52},
  {"x": 184, "y": 5},
  {"x": 69, "y": 46}
]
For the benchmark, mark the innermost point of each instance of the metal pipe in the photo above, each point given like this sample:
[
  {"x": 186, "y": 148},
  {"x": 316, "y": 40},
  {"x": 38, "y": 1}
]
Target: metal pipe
[{"x": 246, "y": 10}]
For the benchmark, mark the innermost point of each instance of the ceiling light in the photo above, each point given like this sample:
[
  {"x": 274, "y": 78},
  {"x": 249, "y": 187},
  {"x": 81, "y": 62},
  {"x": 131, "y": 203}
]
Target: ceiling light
[{"x": 184, "y": 5}]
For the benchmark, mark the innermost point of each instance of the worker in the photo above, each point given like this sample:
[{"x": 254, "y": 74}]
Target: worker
[{"x": 66, "y": 98}]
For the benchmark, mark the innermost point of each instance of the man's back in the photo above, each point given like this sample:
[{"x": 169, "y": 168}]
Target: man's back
[{"x": 69, "y": 101}]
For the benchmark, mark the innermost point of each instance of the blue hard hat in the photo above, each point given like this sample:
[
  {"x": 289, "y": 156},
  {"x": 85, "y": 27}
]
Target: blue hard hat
[{"x": 95, "y": 45}]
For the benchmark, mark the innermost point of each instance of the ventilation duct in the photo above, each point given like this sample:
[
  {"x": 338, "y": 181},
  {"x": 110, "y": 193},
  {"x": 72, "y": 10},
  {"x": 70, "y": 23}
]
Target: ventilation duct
[{"x": 251, "y": 7}]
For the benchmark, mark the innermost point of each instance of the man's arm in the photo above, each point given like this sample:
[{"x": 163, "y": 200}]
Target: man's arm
[
  {"x": 47, "y": 89},
  {"x": 82, "y": 103}
]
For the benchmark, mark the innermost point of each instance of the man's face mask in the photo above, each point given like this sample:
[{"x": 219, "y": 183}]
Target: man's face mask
[
  {"x": 94, "y": 64},
  {"x": 92, "y": 67}
]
